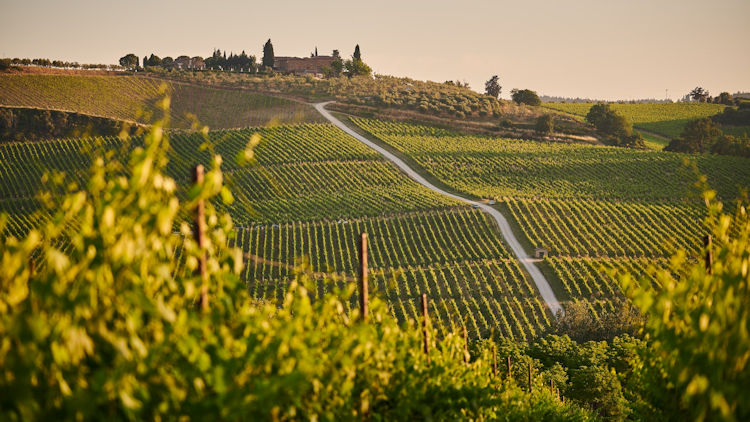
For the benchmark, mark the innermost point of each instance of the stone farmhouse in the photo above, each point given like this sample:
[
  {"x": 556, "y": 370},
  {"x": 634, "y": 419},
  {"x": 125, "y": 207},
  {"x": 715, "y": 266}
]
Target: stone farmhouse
[
  {"x": 302, "y": 65},
  {"x": 185, "y": 62}
]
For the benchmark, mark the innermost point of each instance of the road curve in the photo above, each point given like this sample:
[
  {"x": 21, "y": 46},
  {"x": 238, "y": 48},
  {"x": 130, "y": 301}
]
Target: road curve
[{"x": 541, "y": 283}]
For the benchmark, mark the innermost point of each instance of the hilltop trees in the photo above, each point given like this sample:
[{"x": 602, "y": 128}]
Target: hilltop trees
[
  {"x": 492, "y": 87},
  {"x": 525, "y": 96},
  {"x": 153, "y": 60},
  {"x": 268, "y": 54},
  {"x": 699, "y": 94},
  {"x": 129, "y": 61},
  {"x": 337, "y": 66},
  {"x": 724, "y": 98},
  {"x": 355, "y": 66}
]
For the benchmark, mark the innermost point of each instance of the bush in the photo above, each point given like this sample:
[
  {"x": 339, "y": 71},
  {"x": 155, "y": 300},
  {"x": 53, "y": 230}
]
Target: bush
[
  {"x": 525, "y": 96},
  {"x": 698, "y": 321},
  {"x": 545, "y": 124}
]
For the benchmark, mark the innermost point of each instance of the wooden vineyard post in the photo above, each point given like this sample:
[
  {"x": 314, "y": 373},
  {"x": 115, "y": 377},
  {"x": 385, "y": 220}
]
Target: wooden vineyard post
[
  {"x": 552, "y": 386},
  {"x": 709, "y": 254},
  {"x": 466, "y": 346},
  {"x": 494, "y": 360},
  {"x": 199, "y": 230},
  {"x": 510, "y": 374},
  {"x": 425, "y": 333},
  {"x": 530, "y": 377},
  {"x": 363, "y": 276}
]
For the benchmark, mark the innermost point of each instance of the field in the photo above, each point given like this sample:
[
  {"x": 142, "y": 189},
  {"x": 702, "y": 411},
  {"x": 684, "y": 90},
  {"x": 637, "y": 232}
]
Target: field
[
  {"x": 310, "y": 193},
  {"x": 665, "y": 119},
  {"x": 590, "y": 206},
  {"x": 131, "y": 98}
]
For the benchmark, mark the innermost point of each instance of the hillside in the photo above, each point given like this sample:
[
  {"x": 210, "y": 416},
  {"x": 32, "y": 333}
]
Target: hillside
[
  {"x": 312, "y": 191},
  {"x": 664, "y": 119},
  {"x": 592, "y": 207},
  {"x": 296, "y": 206},
  {"x": 131, "y": 98}
]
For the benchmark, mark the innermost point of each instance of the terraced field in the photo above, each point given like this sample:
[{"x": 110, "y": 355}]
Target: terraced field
[
  {"x": 590, "y": 206},
  {"x": 666, "y": 119},
  {"x": 311, "y": 192},
  {"x": 131, "y": 98}
]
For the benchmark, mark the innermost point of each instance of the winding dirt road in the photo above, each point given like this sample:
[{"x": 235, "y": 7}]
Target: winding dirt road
[{"x": 541, "y": 283}]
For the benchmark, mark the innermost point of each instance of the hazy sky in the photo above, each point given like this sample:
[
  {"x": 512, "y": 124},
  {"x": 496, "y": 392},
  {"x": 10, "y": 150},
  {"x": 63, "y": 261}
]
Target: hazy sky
[{"x": 589, "y": 48}]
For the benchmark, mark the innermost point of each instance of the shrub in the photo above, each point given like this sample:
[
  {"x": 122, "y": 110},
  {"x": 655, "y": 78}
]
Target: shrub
[
  {"x": 697, "y": 321},
  {"x": 525, "y": 96},
  {"x": 545, "y": 124}
]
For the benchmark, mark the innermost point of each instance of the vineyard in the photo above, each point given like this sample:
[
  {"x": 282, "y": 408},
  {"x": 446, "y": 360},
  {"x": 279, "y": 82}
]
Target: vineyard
[
  {"x": 455, "y": 257},
  {"x": 309, "y": 193},
  {"x": 494, "y": 168},
  {"x": 591, "y": 207},
  {"x": 132, "y": 98},
  {"x": 666, "y": 119}
]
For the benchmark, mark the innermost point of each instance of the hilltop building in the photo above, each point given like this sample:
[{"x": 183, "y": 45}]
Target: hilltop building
[
  {"x": 302, "y": 65},
  {"x": 185, "y": 62}
]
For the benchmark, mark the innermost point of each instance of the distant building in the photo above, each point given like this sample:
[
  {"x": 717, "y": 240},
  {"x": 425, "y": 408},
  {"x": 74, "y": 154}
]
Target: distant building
[
  {"x": 302, "y": 65},
  {"x": 190, "y": 63},
  {"x": 541, "y": 252}
]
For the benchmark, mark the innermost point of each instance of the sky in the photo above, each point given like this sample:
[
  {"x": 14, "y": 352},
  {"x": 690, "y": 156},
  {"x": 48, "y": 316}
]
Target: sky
[{"x": 603, "y": 49}]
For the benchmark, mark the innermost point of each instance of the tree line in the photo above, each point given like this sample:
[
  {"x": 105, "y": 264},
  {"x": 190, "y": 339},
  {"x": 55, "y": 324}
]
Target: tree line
[
  {"x": 6, "y": 63},
  {"x": 243, "y": 62}
]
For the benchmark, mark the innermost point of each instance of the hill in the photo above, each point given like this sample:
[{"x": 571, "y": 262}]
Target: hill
[
  {"x": 592, "y": 207},
  {"x": 132, "y": 98},
  {"x": 312, "y": 191},
  {"x": 664, "y": 119}
]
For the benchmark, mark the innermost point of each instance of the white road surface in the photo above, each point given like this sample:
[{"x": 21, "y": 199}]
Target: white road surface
[{"x": 541, "y": 283}]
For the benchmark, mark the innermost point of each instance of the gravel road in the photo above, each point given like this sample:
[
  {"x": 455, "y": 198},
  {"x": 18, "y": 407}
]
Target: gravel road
[{"x": 541, "y": 283}]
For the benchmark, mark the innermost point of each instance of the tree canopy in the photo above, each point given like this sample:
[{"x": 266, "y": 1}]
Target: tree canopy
[
  {"x": 492, "y": 87},
  {"x": 525, "y": 96},
  {"x": 545, "y": 124},
  {"x": 613, "y": 127},
  {"x": 129, "y": 61},
  {"x": 697, "y": 136},
  {"x": 699, "y": 94}
]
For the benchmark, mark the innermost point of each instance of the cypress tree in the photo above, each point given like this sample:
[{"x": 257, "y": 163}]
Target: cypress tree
[
  {"x": 268, "y": 54},
  {"x": 357, "y": 55}
]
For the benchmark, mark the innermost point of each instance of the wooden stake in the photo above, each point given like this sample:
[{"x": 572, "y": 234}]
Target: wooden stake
[
  {"x": 494, "y": 360},
  {"x": 529, "y": 376},
  {"x": 363, "y": 276},
  {"x": 466, "y": 346},
  {"x": 424, "y": 327},
  {"x": 510, "y": 374},
  {"x": 709, "y": 254},
  {"x": 551, "y": 386},
  {"x": 199, "y": 230}
]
